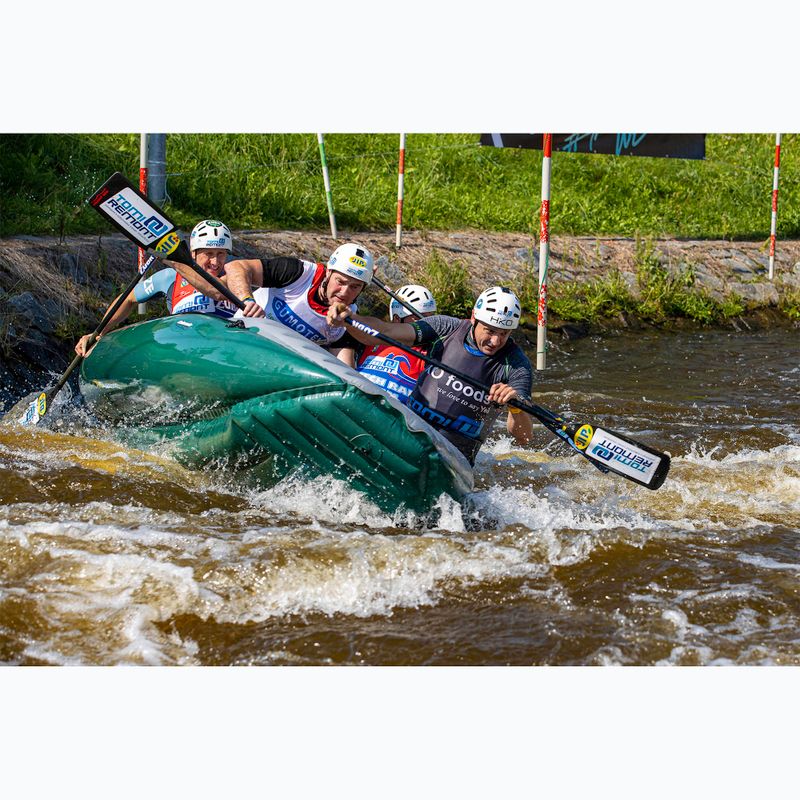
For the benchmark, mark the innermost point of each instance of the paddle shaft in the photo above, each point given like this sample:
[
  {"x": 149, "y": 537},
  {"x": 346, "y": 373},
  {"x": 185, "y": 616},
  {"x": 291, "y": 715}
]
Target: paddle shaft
[
  {"x": 103, "y": 322},
  {"x": 52, "y": 391},
  {"x": 381, "y": 285},
  {"x": 551, "y": 421}
]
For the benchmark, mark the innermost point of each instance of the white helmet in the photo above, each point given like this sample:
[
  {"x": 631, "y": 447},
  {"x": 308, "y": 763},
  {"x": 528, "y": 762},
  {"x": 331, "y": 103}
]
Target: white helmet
[
  {"x": 418, "y": 297},
  {"x": 354, "y": 260},
  {"x": 498, "y": 307},
  {"x": 211, "y": 233}
]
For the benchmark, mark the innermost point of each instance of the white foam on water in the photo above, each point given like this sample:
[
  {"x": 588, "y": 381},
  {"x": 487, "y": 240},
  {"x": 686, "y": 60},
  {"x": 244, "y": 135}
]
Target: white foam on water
[
  {"x": 767, "y": 563},
  {"x": 733, "y": 631},
  {"x": 360, "y": 574},
  {"x": 100, "y": 606},
  {"x": 740, "y": 491},
  {"x": 103, "y": 589}
]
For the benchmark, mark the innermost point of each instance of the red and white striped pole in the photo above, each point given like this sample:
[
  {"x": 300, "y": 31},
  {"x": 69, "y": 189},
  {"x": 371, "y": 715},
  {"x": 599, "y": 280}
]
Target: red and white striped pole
[
  {"x": 143, "y": 189},
  {"x": 400, "y": 179},
  {"x": 774, "y": 225},
  {"x": 544, "y": 253}
]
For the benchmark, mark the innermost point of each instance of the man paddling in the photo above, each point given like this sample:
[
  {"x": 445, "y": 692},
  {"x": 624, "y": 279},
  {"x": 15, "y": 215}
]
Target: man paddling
[
  {"x": 298, "y": 293},
  {"x": 393, "y": 369},
  {"x": 479, "y": 347},
  {"x": 211, "y": 244}
]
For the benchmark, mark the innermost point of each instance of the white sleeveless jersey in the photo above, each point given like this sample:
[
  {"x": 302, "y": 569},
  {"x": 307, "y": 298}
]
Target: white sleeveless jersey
[{"x": 295, "y": 307}]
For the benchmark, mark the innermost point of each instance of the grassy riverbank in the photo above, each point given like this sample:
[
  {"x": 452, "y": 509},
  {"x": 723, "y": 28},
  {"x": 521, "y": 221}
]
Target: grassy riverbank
[{"x": 274, "y": 181}]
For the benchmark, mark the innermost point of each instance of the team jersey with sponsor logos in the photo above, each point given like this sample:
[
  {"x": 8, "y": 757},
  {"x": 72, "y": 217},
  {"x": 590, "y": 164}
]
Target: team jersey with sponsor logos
[
  {"x": 391, "y": 368},
  {"x": 458, "y": 410},
  {"x": 295, "y": 304},
  {"x": 181, "y": 296}
]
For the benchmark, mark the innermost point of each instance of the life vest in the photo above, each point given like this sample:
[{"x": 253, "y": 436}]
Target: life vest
[
  {"x": 186, "y": 299},
  {"x": 296, "y": 307},
  {"x": 458, "y": 410},
  {"x": 391, "y": 368}
]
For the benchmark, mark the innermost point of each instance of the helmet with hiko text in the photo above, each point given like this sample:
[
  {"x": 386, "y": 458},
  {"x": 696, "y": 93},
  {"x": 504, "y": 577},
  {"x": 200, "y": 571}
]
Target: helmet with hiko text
[
  {"x": 211, "y": 233},
  {"x": 354, "y": 260},
  {"x": 418, "y": 297},
  {"x": 498, "y": 307}
]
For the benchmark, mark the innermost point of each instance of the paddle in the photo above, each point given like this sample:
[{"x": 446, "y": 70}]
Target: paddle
[
  {"x": 607, "y": 450},
  {"x": 381, "y": 285},
  {"x": 36, "y": 409},
  {"x": 144, "y": 223}
]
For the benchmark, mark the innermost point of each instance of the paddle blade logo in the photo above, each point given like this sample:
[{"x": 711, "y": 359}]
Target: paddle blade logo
[
  {"x": 623, "y": 456},
  {"x": 582, "y": 436},
  {"x": 135, "y": 217},
  {"x": 35, "y": 411},
  {"x": 169, "y": 244}
]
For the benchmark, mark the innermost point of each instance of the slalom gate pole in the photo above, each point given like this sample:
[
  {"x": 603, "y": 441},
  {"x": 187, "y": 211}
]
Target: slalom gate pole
[
  {"x": 142, "y": 308},
  {"x": 401, "y": 169},
  {"x": 327, "y": 180},
  {"x": 544, "y": 253},
  {"x": 774, "y": 223}
]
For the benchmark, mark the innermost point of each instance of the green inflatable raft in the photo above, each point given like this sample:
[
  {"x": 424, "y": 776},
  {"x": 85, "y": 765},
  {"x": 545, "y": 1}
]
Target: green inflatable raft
[{"x": 253, "y": 396}]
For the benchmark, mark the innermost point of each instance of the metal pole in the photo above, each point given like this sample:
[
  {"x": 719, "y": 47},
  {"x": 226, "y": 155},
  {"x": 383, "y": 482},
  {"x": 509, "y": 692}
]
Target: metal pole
[
  {"x": 774, "y": 224},
  {"x": 142, "y": 309},
  {"x": 327, "y": 180},
  {"x": 401, "y": 170},
  {"x": 157, "y": 168},
  {"x": 544, "y": 253}
]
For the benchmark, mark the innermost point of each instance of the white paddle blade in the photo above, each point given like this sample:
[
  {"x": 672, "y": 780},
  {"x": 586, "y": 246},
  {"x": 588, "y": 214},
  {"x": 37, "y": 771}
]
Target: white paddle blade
[
  {"x": 35, "y": 410},
  {"x": 128, "y": 210},
  {"x": 622, "y": 456}
]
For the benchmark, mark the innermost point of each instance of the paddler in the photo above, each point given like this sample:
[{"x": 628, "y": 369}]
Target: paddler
[
  {"x": 298, "y": 293},
  {"x": 210, "y": 243},
  {"x": 393, "y": 369},
  {"x": 479, "y": 347}
]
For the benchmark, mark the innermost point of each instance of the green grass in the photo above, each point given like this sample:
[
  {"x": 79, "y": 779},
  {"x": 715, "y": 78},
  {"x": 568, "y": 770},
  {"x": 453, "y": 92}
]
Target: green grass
[
  {"x": 448, "y": 282},
  {"x": 790, "y": 305},
  {"x": 274, "y": 181}
]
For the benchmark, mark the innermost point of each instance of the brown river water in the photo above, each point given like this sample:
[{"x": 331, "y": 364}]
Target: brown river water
[{"x": 116, "y": 556}]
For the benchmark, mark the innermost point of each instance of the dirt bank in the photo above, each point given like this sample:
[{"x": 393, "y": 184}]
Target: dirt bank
[{"x": 53, "y": 290}]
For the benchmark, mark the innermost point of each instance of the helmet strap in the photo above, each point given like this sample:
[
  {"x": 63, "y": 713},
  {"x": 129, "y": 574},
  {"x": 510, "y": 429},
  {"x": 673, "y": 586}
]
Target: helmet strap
[
  {"x": 471, "y": 340},
  {"x": 322, "y": 292}
]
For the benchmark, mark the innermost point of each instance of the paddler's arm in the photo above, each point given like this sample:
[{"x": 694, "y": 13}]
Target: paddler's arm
[
  {"x": 120, "y": 315},
  {"x": 519, "y": 425},
  {"x": 520, "y": 379},
  {"x": 402, "y": 332},
  {"x": 243, "y": 275}
]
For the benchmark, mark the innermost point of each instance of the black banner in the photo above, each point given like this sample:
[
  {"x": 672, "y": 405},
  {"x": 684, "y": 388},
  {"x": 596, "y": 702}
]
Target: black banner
[{"x": 655, "y": 145}]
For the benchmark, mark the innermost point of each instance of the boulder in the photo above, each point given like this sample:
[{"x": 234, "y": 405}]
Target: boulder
[
  {"x": 34, "y": 312},
  {"x": 73, "y": 268},
  {"x": 760, "y": 294}
]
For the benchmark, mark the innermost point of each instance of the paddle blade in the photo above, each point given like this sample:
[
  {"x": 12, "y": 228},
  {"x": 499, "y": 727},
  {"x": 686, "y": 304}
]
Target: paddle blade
[
  {"x": 130, "y": 212},
  {"x": 620, "y": 454},
  {"x": 29, "y": 410}
]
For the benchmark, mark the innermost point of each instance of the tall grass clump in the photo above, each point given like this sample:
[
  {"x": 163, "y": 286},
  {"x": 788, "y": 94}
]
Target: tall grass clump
[
  {"x": 790, "y": 305},
  {"x": 666, "y": 294},
  {"x": 605, "y": 298},
  {"x": 448, "y": 282}
]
